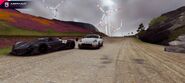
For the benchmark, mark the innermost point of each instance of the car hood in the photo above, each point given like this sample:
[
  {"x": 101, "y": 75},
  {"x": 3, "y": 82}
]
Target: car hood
[
  {"x": 88, "y": 40},
  {"x": 21, "y": 45}
]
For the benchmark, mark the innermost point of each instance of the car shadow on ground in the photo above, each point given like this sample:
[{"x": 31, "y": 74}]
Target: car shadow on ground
[
  {"x": 42, "y": 54},
  {"x": 32, "y": 55},
  {"x": 38, "y": 54},
  {"x": 89, "y": 48}
]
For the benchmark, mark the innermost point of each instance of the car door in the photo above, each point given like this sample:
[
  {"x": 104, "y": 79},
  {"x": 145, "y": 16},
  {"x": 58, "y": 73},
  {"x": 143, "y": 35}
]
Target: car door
[{"x": 54, "y": 43}]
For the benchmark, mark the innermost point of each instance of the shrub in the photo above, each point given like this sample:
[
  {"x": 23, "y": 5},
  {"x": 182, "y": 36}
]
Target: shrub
[
  {"x": 4, "y": 51},
  {"x": 177, "y": 32},
  {"x": 157, "y": 20}
]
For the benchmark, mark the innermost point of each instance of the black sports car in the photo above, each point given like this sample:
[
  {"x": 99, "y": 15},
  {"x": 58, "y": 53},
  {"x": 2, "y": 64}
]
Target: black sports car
[{"x": 41, "y": 45}]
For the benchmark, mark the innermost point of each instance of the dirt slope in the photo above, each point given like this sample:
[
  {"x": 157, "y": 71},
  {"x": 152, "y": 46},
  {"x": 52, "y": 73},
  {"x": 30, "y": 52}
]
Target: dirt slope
[{"x": 121, "y": 60}]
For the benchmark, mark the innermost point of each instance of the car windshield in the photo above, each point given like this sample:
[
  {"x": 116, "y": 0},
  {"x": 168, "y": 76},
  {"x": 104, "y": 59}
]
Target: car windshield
[
  {"x": 42, "y": 39},
  {"x": 91, "y": 36}
]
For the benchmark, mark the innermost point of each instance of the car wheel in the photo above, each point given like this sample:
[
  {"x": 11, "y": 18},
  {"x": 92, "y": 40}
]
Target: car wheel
[
  {"x": 72, "y": 45},
  {"x": 102, "y": 44},
  {"x": 99, "y": 45},
  {"x": 79, "y": 46},
  {"x": 43, "y": 48}
]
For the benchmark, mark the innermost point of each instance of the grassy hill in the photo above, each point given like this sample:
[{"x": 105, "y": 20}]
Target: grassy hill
[{"x": 13, "y": 22}]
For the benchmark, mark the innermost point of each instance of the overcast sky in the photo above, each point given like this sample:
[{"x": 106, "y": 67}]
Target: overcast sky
[{"x": 131, "y": 12}]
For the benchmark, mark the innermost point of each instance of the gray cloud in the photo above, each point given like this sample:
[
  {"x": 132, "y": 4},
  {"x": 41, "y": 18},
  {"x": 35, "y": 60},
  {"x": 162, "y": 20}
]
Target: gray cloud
[{"x": 132, "y": 12}]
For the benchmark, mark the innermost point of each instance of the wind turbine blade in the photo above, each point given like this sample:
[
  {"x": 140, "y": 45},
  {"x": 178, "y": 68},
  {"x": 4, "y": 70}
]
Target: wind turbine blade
[
  {"x": 50, "y": 7},
  {"x": 101, "y": 9},
  {"x": 59, "y": 4},
  {"x": 103, "y": 17}
]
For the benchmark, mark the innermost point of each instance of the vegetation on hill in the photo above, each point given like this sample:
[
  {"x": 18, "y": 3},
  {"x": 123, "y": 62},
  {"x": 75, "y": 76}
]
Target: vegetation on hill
[
  {"x": 13, "y": 22},
  {"x": 157, "y": 20},
  {"x": 165, "y": 28}
]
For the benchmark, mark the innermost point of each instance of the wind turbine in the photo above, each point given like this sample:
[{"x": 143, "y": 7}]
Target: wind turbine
[
  {"x": 105, "y": 19},
  {"x": 116, "y": 29},
  {"x": 54, "y": 9}
]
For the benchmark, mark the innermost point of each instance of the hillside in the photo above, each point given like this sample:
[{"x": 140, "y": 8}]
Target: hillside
[
  {"x": 165, "y": 28},
  {"x": 13, "y": 22}
]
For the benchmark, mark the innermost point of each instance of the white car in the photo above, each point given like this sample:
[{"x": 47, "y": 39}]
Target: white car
[{"x": 91, "y": 41}]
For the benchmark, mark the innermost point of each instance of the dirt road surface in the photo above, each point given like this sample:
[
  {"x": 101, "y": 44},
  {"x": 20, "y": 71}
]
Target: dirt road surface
[{"x": 121, "y": 60}]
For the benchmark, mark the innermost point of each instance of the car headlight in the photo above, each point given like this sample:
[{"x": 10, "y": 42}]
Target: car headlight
[
  {"x": 94, "y": 41},
  {"x": 59, "y": 39},
  {"x": 80, "y": 40},
  {"x": 18, "y": 43}
]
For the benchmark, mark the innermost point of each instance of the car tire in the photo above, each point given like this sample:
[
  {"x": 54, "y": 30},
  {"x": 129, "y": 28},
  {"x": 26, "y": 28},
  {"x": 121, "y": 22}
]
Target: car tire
[
  {"x": 98, "y": 46},
  {"x": 72, "y": 45},
  {"x": 79, "y": 46}
]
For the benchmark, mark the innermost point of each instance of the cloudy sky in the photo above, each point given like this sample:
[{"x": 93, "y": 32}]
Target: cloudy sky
[{"x": 120, "y": 16}]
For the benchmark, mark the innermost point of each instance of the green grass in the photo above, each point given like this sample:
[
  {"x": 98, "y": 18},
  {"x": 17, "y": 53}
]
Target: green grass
[
  {"x": 8, "y": 30},
  {"x": 5, "y": 51},
  {"x": 141, "y": 33},
  {"x": 179, "y": 31},
  {"x": 157, "y": 20},
  {"x": 137, "y": 40}
]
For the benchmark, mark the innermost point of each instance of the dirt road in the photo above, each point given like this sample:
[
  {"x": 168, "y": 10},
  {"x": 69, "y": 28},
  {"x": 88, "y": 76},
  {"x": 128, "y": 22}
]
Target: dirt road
[{"x": 121, "y": 60}]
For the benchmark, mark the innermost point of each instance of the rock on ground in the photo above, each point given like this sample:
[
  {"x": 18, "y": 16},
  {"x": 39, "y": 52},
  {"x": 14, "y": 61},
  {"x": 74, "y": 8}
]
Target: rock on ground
[{"x": 177, "y": 46}]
